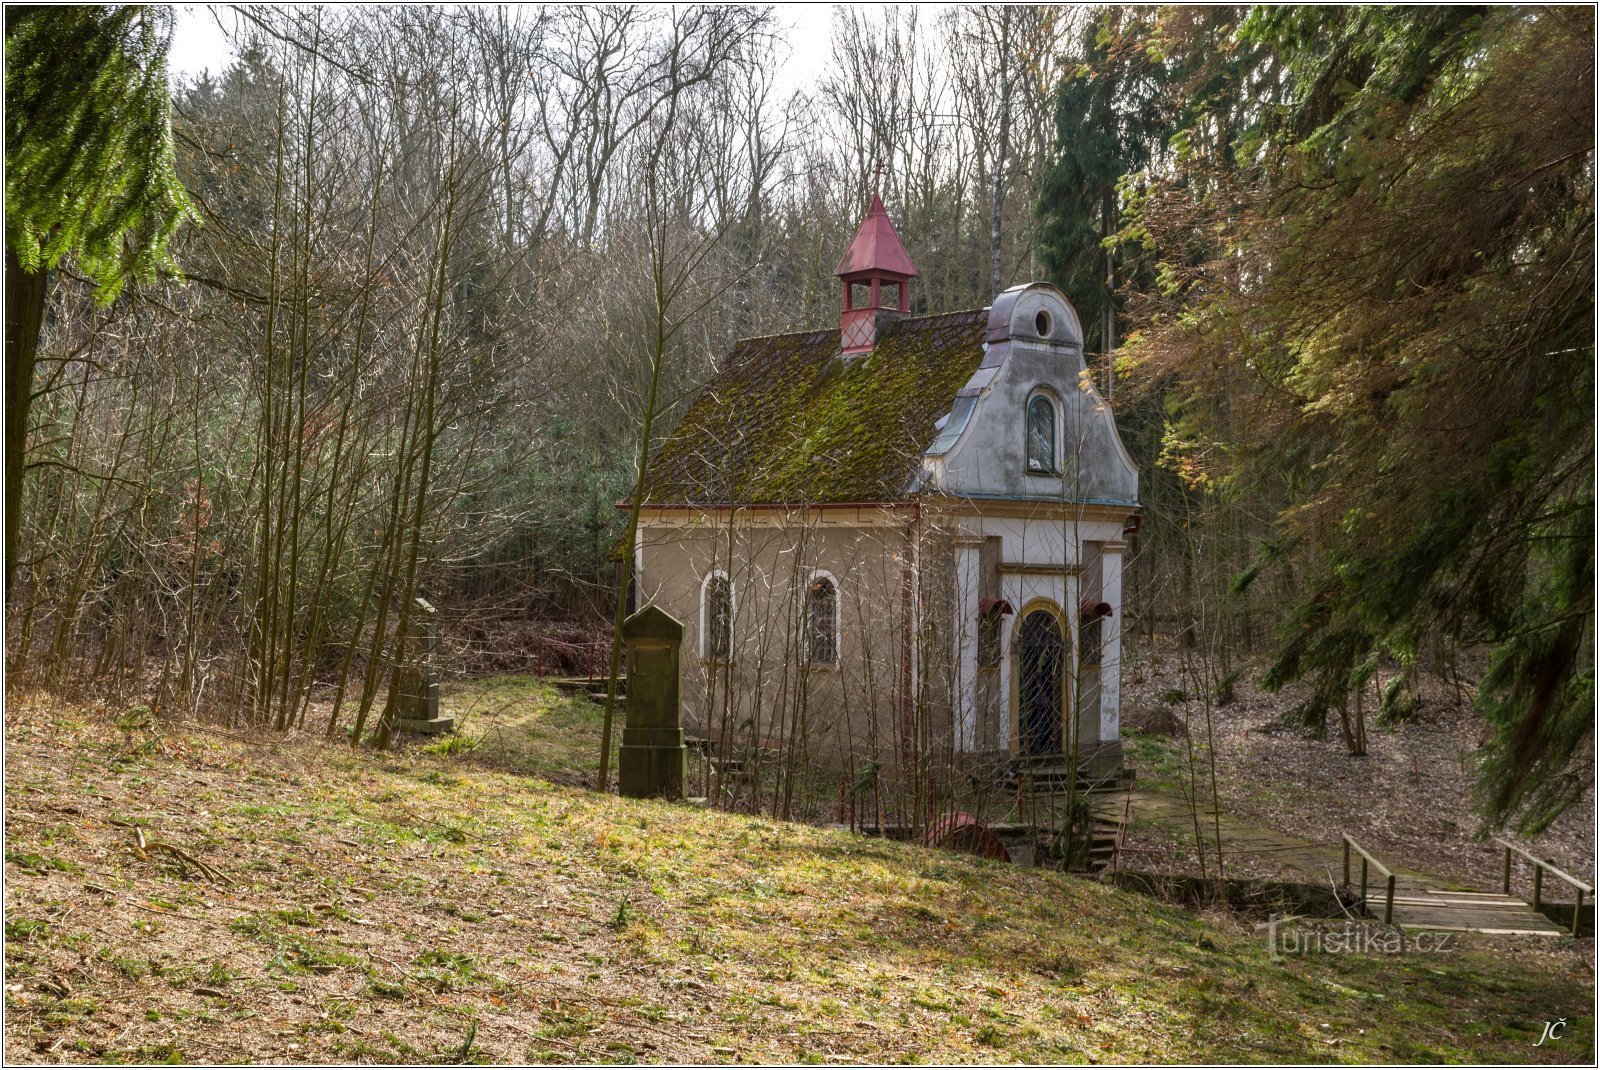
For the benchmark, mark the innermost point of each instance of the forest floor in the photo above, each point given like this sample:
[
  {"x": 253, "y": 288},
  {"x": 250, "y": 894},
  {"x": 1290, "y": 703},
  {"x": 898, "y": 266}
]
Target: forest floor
[
  {"x": 422, "y": 905},
  {"x": 1408, "y": 801}
]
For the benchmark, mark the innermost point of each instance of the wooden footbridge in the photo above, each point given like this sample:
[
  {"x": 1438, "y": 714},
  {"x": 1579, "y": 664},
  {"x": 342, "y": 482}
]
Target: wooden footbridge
[
  {"x": 1412, "y": 901},
  {"x": 1388, "y": 893}
]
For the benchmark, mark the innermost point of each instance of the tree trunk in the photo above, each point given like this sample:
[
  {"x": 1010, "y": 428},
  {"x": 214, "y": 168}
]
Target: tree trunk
[
  {"x": 1108, "y": 331},
  {"x": 24, "y": 318},
  {"x": 1006, "y": 81}
]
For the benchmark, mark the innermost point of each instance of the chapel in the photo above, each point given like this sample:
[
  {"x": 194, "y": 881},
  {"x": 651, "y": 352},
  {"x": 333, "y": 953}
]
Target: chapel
[{"x": 899, "y": 533}]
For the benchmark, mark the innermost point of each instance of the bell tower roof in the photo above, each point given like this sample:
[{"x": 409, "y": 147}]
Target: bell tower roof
[{"x": 876, "y": 249}]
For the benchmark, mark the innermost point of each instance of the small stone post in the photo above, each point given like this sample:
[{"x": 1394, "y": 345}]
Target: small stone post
[
  {"x": 419, "y": 688},
  {"x": 653, "y": 759}
]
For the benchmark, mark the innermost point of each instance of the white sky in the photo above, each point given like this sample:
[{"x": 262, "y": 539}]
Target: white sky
[{"x": 200, "y": 44}]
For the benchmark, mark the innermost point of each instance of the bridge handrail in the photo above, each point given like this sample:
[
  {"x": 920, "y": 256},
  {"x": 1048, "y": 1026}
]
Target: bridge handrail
[
  {"x": 1366, "y": 858},
  {"x": 1539, "y": 868},
  {"x": 1542, "y": 864}
]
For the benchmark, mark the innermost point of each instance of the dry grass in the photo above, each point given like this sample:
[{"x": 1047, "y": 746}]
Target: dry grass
[
  {"x": 523, "y": 725},
  {"x": 418, "y": 907}
]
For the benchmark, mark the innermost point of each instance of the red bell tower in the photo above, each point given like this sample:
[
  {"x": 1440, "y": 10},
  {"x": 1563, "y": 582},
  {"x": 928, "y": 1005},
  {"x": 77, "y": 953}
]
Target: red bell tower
[{"x": 877, "y": 275}]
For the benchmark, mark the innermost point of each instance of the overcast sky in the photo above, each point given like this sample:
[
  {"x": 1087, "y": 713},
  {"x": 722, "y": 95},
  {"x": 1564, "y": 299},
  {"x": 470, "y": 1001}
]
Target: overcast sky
[{"x": 200, "y": 44}]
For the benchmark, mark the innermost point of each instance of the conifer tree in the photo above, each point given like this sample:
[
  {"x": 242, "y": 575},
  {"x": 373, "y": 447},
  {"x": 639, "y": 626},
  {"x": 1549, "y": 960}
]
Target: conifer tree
[
  {"x": 1108, "y": 126},
  {"x": 89, "y": 178},
  {"x": 1391, "y": 319}
]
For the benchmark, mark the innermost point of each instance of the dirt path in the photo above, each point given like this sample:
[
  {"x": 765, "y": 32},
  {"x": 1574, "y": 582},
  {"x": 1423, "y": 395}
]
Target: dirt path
[
  {"x": 1420, "y": 901},
  {"x": 1277, "y": 855}
]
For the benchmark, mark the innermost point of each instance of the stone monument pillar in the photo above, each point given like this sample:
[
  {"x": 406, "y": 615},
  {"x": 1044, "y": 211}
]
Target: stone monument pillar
[
  {"x": 419, "y": 688},
  {"x": 652, "y": 760}
]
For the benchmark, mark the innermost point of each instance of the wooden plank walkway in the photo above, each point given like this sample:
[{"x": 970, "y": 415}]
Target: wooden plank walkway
[
  {"x": 1420, "y": 901},
  {"x": 1420, "y": 905}
]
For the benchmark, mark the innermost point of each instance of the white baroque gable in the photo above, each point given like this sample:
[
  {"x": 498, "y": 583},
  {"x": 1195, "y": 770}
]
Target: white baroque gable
[{"x": 1033, "y": 343}]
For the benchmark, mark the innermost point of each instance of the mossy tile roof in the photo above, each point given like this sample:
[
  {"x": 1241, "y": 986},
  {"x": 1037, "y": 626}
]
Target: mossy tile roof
[{"x": 789, "y": 421}]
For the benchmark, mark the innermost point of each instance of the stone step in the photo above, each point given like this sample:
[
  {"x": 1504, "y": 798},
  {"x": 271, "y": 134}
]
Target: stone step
[
  {"x": 1056, "y": 778},
  {"x": 433, "y": 727},
  {"x": 582, "y": 683}
]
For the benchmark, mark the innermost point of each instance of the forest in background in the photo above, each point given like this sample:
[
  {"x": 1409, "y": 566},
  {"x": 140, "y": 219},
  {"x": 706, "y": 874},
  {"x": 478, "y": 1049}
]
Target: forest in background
[{"x": 412, "y": 282}]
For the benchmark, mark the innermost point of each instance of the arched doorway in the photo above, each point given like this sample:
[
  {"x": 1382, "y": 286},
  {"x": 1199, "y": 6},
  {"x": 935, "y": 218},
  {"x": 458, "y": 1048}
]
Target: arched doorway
[{"x": 1041, "y": 682}]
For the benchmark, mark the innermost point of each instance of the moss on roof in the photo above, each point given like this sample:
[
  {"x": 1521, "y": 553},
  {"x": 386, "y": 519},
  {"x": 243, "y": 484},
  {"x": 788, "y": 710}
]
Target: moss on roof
[{"x": 788, "y": 420}]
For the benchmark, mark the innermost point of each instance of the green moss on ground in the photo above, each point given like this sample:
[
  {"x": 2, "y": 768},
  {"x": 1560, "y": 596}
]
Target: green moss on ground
[{"x": 524, "y": 725}]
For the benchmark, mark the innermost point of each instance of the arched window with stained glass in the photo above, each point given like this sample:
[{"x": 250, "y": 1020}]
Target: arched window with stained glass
[
  {"x": 716, "y": 618},
  {"x": 1041, "y": 434},
  {"x": 822, "y": 620}
]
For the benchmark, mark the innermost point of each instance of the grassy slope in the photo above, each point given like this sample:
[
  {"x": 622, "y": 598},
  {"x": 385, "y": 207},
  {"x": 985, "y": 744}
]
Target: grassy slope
[
  {"x": 527, "y": 726},
  {"x": 384, "y": 903}
]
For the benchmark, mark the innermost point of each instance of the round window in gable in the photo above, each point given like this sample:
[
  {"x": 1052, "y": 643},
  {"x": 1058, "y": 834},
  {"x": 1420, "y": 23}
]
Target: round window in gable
[{"x": 1041, "y": 323}]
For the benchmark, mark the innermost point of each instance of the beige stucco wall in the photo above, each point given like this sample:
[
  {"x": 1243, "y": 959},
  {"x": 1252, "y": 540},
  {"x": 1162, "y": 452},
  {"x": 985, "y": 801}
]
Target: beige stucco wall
[{"x": 767, "y": 691}]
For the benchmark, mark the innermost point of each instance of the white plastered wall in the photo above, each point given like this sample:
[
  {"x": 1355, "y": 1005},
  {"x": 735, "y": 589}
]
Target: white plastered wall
[{"x": 1039, "y": 561}]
